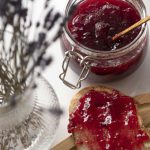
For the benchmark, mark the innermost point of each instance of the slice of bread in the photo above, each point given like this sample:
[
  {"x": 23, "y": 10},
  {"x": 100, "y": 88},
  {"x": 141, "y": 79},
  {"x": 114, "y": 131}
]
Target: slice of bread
[{"x": 83, "y": 136}]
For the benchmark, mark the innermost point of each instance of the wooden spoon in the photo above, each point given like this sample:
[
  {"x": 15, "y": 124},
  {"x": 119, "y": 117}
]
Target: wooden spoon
[
  {"x": 143, "y": 102},
  {"x": 137, "y": 24}
]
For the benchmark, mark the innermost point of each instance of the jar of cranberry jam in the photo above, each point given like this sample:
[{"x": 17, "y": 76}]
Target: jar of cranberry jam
[{"x": 87, "y": 38}]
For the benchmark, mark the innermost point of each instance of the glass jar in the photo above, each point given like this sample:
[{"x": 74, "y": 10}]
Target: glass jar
[{"x": 103, "y": 65}]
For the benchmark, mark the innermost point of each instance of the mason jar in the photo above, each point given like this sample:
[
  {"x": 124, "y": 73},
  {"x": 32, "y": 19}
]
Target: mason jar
[{"x": 102, "y": 65}]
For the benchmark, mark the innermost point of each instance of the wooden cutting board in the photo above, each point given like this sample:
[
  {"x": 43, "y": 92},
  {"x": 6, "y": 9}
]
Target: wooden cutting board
[{"x": 144, "y": 102}]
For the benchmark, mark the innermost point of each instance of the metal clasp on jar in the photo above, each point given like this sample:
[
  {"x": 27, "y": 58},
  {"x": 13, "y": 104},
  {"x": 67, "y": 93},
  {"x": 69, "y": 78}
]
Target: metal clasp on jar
[{"x": 84, "y": 63}]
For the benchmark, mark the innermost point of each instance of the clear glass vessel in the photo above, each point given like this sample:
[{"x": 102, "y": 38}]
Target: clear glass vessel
[
  {"x": 31, "y": 123},
  {"x": 100, "y": 65}
]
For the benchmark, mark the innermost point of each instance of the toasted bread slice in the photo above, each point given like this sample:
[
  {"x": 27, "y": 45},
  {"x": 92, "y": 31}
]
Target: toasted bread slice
[{"x": 85, "y": 135}]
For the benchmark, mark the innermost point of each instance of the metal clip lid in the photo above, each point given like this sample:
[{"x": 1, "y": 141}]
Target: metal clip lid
[{"x": 83, "y": 62}]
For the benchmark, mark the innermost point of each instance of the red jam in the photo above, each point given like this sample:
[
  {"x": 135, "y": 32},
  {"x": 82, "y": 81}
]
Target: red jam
[
  {"x": 95, "y": 22},
  {"x": 108, "y": 122}
]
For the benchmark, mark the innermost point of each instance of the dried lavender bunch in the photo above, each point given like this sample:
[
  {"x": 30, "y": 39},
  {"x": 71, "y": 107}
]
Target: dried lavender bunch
[{"x": 24, "y": 42}]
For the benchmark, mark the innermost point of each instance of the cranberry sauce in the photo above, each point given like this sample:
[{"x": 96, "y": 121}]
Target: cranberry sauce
[
  {"x": 95, "y": 22},
  {"x": 107, "y": 121}
]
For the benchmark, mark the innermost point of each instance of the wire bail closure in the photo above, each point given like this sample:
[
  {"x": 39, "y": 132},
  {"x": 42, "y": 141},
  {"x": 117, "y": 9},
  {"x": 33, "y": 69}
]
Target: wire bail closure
[{"x": 83, "y": 61}]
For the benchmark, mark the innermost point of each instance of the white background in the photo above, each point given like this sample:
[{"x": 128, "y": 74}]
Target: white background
[{"x": 138, "y": 82}]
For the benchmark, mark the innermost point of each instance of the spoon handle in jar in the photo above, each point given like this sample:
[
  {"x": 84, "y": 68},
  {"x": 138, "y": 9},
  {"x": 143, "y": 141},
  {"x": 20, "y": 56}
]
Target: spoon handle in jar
[{"x": 137, "y": 24}]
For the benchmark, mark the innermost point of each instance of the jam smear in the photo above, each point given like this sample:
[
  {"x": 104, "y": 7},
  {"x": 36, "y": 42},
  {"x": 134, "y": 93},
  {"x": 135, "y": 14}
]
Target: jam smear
[
  {"x": 107, "y": 121},
  {"x": 95, "y": 22}
]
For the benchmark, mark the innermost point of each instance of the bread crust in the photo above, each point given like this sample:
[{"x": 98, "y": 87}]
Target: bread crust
[{"x": 75, "y": 100}]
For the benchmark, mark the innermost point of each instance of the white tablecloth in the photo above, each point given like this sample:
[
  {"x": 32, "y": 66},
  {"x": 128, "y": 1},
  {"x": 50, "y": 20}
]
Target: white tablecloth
[{"x": 136, "y": 83}]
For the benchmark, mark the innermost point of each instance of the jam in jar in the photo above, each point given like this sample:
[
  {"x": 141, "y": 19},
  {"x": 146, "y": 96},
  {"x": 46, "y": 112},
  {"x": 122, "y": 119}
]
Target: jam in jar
[{"x": 88, "y": 36}]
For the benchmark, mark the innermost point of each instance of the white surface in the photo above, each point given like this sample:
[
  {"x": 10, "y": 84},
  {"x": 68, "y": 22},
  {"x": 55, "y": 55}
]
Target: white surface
[{"x": 136, "y": 83}]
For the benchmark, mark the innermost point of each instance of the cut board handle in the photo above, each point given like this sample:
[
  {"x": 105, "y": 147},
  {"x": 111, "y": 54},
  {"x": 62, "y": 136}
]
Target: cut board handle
[{"x": 67, "y": 144}]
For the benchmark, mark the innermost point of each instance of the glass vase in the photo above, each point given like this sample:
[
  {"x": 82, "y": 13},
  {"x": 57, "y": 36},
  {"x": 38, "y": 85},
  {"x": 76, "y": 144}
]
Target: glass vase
[{"x": 30, "y": 122}]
